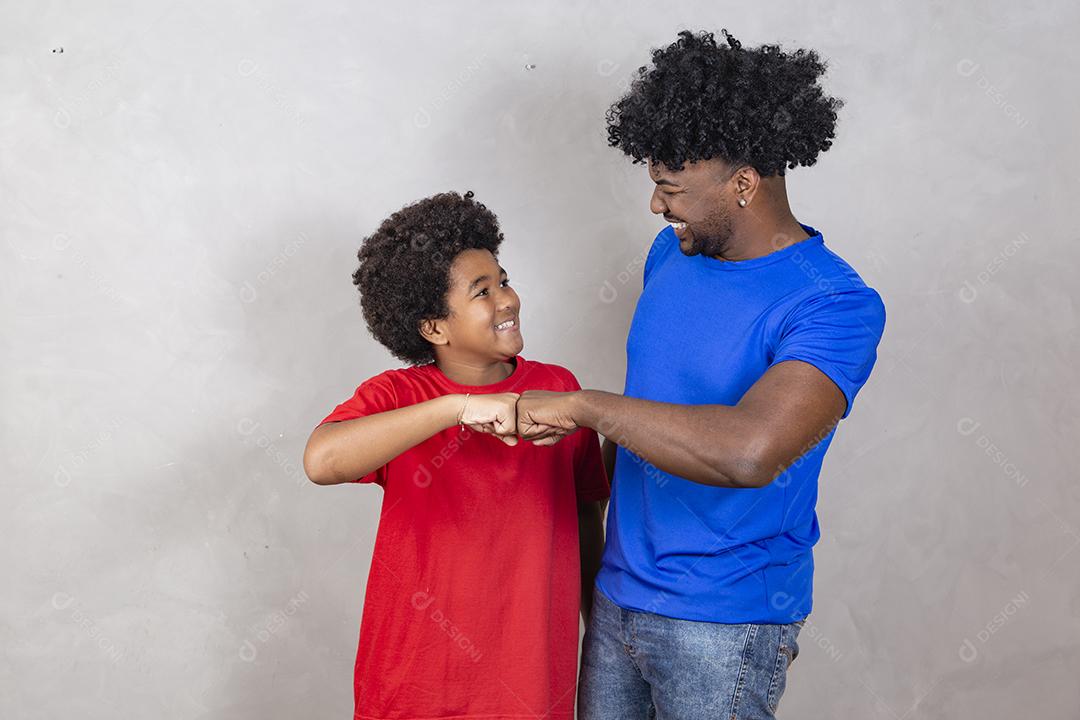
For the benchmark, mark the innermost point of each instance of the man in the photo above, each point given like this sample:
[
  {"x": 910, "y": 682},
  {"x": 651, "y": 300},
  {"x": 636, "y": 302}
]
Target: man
[{"x": 747, "y": 347}]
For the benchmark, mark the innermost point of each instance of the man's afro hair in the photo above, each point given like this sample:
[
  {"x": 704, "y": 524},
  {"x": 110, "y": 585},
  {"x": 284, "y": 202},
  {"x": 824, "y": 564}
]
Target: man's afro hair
[
  {"x": 404, "y": 271},
  {"x": 761, "y": 107}
]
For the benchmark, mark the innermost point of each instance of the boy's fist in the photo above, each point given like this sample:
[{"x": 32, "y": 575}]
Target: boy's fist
[{"x": 495, "y": 414}]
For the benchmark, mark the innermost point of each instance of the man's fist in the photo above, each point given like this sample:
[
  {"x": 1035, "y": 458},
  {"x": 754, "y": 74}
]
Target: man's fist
[
  {"x": 494, "y": 414},
  {"x": 545, "y": 417}
]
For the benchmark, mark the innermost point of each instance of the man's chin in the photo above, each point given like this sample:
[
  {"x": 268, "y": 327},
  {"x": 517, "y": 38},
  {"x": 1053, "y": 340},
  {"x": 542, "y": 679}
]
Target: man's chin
[
  {"x": 688, "y": 248},
  {"x": 697, "y": 246},
  {"x": 688, "y": 243}
]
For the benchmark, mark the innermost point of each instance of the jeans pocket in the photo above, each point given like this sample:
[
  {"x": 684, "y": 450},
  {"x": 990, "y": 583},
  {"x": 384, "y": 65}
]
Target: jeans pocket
[
  {"x": 786, "y": 652},
  {"x": 793, "y": 639}
]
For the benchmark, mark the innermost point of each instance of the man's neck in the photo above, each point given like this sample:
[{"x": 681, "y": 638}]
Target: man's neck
[
  {"x": 766, "y": 224},
  {"x": 757, "y": 239}
]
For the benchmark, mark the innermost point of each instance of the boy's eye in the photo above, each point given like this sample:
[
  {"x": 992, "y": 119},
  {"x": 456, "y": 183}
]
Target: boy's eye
[{"x": 504, "y": 283}]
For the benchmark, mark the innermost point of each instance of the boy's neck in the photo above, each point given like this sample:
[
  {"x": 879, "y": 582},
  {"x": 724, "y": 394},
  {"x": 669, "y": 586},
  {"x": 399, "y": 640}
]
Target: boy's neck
[{"x": 471, "y": 372}]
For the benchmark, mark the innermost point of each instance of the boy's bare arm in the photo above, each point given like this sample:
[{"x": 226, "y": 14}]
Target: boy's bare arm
[
  {"x": 342, "y": 451},
  {"x": 591, "y": 540},
  {"x": 339, "y": 452}
]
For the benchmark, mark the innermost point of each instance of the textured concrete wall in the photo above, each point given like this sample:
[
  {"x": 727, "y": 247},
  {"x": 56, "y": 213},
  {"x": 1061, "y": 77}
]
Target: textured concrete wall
[{"x": 184, "y": 187}]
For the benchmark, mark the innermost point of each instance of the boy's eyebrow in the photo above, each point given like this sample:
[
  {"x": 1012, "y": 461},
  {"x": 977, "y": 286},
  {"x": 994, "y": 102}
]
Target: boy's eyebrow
[
  {"x": 482, "y": 278},
  {"x": 477, "y": 281}
]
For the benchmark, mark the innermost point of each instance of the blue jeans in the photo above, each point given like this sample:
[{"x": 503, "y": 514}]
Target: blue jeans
[{"x": 640, "y": 666}]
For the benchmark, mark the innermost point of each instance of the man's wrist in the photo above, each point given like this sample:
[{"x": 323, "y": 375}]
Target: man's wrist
[{"x": 586, "y": 408}]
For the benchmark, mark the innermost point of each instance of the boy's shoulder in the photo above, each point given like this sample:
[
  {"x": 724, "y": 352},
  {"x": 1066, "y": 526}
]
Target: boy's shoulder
[
  {"x": 536, "y": 375},
  {"x": 392, "y": 380},
  {"x": 549, "y": 376}
]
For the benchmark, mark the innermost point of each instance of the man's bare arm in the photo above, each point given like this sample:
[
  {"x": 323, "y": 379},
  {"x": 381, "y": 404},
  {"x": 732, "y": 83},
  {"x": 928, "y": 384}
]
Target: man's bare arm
[
  {"x": 607, "y": 452},
  {"x": 786, "y": 412},
  {"x": 608, "y": 449},
  {"x": 591, "y": 542}
]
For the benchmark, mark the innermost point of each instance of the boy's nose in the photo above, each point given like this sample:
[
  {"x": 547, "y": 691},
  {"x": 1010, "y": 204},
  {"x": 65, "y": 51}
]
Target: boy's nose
[{"x": 509, "y": 300}]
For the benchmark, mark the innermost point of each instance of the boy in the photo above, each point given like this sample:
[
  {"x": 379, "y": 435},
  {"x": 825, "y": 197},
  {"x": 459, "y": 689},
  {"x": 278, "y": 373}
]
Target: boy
[{"x": 476, "y": 581}]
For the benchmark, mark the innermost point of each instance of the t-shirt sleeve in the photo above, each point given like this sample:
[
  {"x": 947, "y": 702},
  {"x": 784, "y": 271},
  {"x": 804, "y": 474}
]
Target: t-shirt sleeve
[
  {"x": 590, "y": 477},
  {"x": 838, "y": 333},
  {"x": 374, "y": 395}
]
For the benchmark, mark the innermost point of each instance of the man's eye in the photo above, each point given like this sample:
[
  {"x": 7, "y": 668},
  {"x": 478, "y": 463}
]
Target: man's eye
[
  {"x": 482, "y": 292},
  {"x": 505, "y": 282}
]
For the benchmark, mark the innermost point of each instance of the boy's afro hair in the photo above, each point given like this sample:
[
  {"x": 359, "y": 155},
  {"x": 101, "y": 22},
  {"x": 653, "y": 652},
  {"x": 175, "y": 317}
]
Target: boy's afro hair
[
  {"x": 760, "y": 107},
  {"x": 404, "y": 271}
]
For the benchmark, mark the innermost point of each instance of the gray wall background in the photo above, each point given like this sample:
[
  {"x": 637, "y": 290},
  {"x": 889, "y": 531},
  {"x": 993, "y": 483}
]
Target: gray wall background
[{"x": 185, "y": 186}]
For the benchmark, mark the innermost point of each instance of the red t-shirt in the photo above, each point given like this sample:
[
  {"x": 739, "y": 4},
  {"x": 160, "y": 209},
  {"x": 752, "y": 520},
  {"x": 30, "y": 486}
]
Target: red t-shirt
[{"x": 472, "y": 601}]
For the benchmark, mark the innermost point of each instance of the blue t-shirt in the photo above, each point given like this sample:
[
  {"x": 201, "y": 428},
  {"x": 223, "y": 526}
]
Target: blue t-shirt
[{"x": 704, "y": 331}]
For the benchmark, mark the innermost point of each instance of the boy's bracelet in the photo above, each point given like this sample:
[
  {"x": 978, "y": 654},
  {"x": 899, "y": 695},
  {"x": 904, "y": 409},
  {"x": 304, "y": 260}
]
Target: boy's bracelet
[{"x": 461, "y": 413}]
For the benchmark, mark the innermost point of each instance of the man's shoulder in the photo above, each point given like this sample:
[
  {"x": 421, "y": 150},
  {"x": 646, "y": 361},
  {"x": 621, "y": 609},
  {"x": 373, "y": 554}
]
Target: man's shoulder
[
  {"x": 841, "y": 270},
  {"x": 658, "y": 251},
  {"x": 826, "y": 276}
]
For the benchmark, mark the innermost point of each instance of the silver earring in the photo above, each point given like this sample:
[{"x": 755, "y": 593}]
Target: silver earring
[{"x": 742, "y": 202}]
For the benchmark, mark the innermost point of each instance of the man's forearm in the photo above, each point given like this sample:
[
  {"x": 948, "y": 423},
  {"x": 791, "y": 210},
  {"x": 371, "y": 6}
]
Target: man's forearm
[{"x": 672, "y": 437}]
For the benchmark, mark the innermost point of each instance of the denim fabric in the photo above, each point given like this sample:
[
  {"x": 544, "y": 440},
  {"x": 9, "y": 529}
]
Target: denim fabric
[{"x": 640, "y": 666}]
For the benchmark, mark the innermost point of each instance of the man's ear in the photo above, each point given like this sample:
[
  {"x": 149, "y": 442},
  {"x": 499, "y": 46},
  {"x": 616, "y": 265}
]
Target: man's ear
[
  {"x": 435, "y": 331},
  {"x": 746, "y": 181}
]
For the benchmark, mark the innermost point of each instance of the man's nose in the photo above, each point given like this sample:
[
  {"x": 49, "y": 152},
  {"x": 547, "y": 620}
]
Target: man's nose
[{"x": 657, "y": 204}]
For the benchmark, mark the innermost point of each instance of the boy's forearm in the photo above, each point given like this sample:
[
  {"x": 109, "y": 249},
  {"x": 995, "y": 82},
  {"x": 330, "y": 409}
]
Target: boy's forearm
[
  {"x": 591, "y": 541},
  {"x": 343, "y": 451}
]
